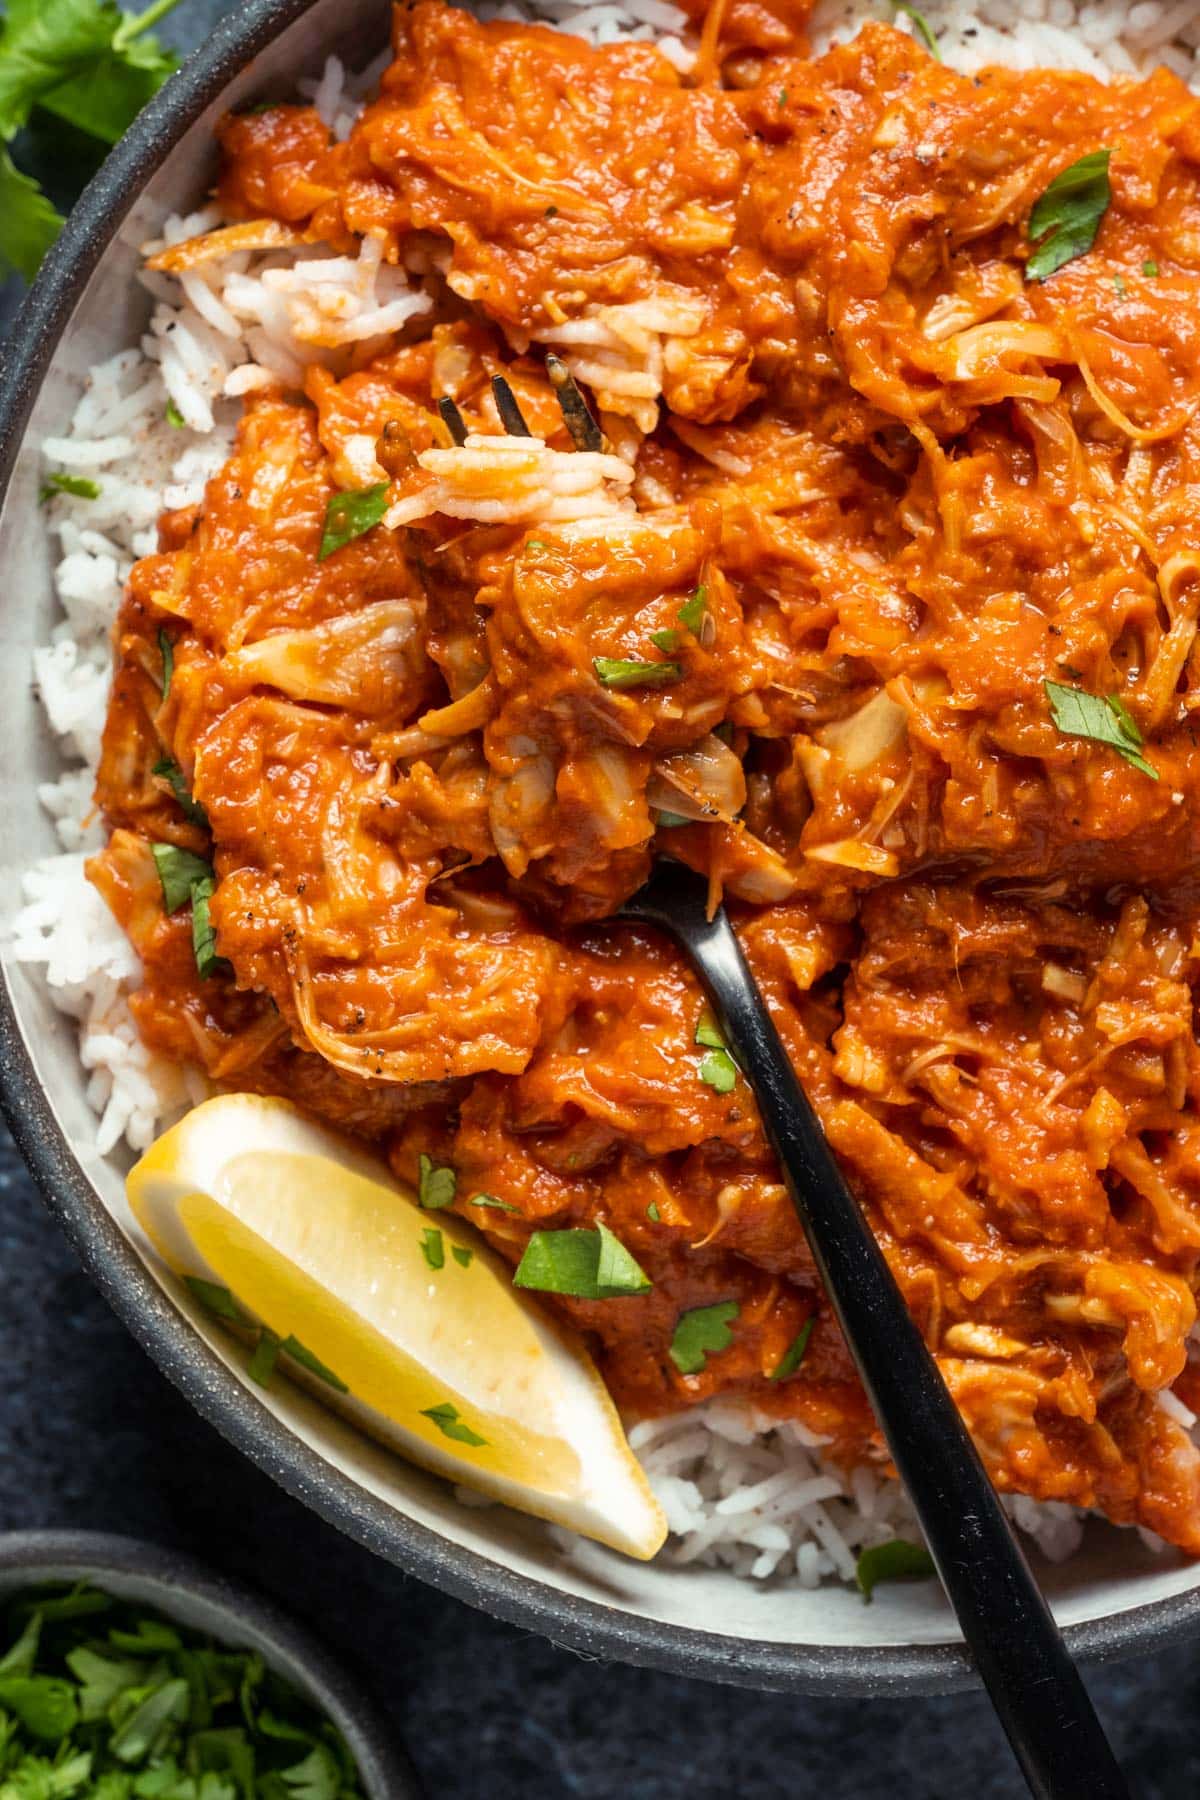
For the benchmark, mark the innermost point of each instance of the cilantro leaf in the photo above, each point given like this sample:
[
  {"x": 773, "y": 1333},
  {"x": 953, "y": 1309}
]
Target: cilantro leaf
[
  {"x": 436, "y": 1184},
  {"x": 179, "y": 872},
  {"x": 349, "y": 514},
  {"x": 433, "y": 1247},
  {"x": 665, "y": 640},
  {"x": 921, "y": 27},
  {"x": 1105, "y": 721},
  {"x": 59, "y": 482},
  {"x": 265, "y": 1356},
  {"x": 204, "y": 937},
  {"x": 101, "y": 1679},
  {"x": 448, "y": 1420},
  {"x": 166, "y": 650},
  {"x": 28, "y": 222},
  {"x": 719, "y": 1071},
  {"x": 462, "y": 1256},
  {"x": 589, "y": 1265},
  {"x": 291, "y": 1346},
  {"x": 144, "y": 1727},
  {"x": 1067, "y": 217},
  {"x": 172, "y": 774},
  {"x": 620, "y": 672},
  {"x": 709, "y": 1033},
  {"x": 793, "y": 1356},
  {"x": 490, "y": 1200},
  {"x": 896, "y": 1560},
  {"x": 214, "y": 1298},
  {"x": 44, "y": 1704},
  {"x": 700, "y": 1333},
  {"x": 19, "y": 1660},
  {"x": 691, "y": 613}
]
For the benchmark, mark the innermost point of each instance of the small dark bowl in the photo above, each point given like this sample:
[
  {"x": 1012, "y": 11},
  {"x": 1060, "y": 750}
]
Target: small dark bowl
[
  {"x": 189, "y": 1594},
  {"x": 1116, "y": 1599}
]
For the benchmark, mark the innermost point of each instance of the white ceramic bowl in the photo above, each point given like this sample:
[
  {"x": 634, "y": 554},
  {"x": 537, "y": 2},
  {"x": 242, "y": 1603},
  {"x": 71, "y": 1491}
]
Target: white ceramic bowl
[{"x": 1116, "y": 1597}]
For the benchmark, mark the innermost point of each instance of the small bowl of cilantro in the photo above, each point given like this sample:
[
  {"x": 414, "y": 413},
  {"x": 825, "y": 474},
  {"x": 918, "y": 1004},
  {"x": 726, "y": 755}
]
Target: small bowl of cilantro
[{"x": 130, "y": 1673}]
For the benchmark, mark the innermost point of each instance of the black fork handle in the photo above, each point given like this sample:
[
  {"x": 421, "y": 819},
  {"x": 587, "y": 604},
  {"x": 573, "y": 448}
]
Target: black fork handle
[{"x": 1012, "y": 1636}]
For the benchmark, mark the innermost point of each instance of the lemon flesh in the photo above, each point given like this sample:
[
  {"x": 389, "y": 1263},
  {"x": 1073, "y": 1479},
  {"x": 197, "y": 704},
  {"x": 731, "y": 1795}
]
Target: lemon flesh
[{"x": 442, "y": 1357}]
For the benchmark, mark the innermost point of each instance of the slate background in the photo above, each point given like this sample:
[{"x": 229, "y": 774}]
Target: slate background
[{"x": 92, "y": 1436}]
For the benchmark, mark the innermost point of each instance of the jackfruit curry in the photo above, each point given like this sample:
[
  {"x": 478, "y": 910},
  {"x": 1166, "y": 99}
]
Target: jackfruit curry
[{"x": 793, "y": 467}]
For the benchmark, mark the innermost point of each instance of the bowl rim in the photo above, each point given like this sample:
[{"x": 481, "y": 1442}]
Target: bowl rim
[
  {"x": 585, "y": 1626},
  {"x": 50, "y": 1555}
]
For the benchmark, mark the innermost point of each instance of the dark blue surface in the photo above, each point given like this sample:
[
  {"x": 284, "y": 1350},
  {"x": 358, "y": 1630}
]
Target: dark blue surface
[{"x": 92, "y": 1436}]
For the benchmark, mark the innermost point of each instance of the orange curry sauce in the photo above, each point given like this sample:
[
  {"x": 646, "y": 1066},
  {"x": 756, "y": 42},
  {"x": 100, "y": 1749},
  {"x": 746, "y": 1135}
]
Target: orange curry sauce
[{"x": 913, "y": 485}]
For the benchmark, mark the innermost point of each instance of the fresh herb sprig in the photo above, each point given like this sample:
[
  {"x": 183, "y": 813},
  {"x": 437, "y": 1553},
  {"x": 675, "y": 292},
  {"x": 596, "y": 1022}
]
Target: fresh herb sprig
[
  {"x": 1064, "y": 222},
  {"x": 100, "y": 1698},
  {"x": 1104, "y": 720},
  {"x": 86, "y": 63}
]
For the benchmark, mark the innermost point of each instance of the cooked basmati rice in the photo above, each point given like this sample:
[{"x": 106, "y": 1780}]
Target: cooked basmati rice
[{"x": 740, "y": 1490}]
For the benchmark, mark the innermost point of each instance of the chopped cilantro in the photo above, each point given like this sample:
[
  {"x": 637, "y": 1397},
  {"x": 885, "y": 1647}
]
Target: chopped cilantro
[
  {"x": 895, "y": 1560},
  {"x": 1067, "y": 217},
  {"x": 652, "y": 1212},
  {"x": 433, "y": 1247},
  {"x": 590, "y": 1265},
  {"x": 300, "y": 1353},
  {"x": 436, "y": 1184},
  {"x": 1150, "y": 267},
  {"x": 449, "y": 1422},
  {"x": 204, "y": 937},
  {"x": 349, "y": 515},
  {"x": 166, "y": 650},
  {"x": 719, "y": 1071},
  {"x": 179, "y": 873},
  {"x": 462, "y": 1256},
  {"x": 491, "y": 1201},
  {"x": 174, "y": 417},
  {"x": 79, "y": 486},
  {"x": 700, "y": 1333},
  {"x": 1103, "y": 720},
  {"x": 214, "y": 1298},
  {"x": 665, "y": 640},
  {"x": 691, "y": 613},
  {"x": 172, "y": 774},
  {"x": 793, "y": 1356},
  {"x": 261, "y": 1366},
  {"x": 921, "y": 27},
  {"x": 621, "y": 672},
  {"x": 144, "y": 1711}
]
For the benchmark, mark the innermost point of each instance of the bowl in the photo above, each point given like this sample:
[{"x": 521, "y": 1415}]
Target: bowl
[
  {"x": 1115, "y": 1598},
  {"x": 189, "y": 1594}
]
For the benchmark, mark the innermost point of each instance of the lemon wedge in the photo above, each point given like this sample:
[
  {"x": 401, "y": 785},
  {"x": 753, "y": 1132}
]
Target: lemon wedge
[{"x": 401, "y": 1317}]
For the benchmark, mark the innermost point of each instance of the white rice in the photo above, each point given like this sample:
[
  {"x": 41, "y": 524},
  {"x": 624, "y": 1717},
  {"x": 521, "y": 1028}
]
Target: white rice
[{"x": 740, "y": 1490}]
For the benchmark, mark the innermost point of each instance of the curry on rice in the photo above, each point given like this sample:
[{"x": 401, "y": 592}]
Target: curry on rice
[{"x": 429, "y": 694}]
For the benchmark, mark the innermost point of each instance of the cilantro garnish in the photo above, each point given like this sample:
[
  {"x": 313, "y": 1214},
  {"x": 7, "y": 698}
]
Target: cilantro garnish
[
  {"x": 590, "y": 1265},
  {"x": 1105, "y": 721},
  {"x": 215, "y": 1299},
  {"x": 921, "y": 26},
  {"x": 718, "y": 1068},
  {"x": 179, "y": 873},
  {"x": 81, "y": 487},
  {"x": 896, "y": 1560},
  {"x": 793, "y": 1356},
  {"x": 173, "y": 416},
  {"x": 665, "y": 640},
  {"x": 621, "y": 672},
  {"x": 691, "y": 613},
  {"x": 349, "y": 515},
  {"x": 262, "y": 1364},
  {"x": 204, "y": 937},
  {"x": 700, "y": 1333},
  {"x": 491, "y": 1201},
  {"x": 436, "y": 1184},
  {"x": 462, "y": 1256},
  {"x": 102, "y": 1701},
  {"x": 433, "y": 1247},
  {"x": 88, "y": 64},
  {"x": 449, "y": 1422},
  {"x": 166, "y": 650},
  {"x": 300, "y": 1353},
  {"x": 719, "y": 1071},
  {"x": 652, "y": 1212},
  {"x": 172, "y": 774},
  {"x": 1067, "y": 217},
  {"x": 1150, "y": 267}
]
